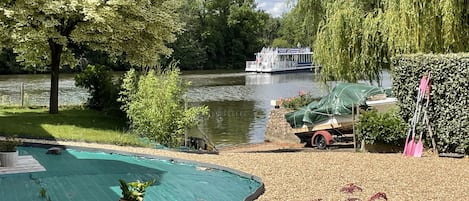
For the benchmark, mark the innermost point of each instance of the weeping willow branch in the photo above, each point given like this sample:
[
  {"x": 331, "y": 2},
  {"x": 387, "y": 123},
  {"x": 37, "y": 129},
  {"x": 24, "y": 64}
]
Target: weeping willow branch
[{"x": 356, "y": 38}]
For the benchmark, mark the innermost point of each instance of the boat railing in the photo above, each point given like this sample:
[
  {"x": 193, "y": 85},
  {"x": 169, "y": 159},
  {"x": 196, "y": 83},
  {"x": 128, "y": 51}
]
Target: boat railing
[{"x": 251, "y": 66}]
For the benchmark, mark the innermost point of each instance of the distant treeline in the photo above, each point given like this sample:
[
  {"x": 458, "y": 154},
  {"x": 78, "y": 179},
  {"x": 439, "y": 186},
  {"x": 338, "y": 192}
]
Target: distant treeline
[{"x": 220, "y": 34}]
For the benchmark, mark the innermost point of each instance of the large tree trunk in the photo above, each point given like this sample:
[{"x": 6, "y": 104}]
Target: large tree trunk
[{"x": 56, "y": 52}]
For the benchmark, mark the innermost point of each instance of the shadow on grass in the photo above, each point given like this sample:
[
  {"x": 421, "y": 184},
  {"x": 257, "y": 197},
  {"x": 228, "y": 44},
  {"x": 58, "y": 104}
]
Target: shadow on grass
[{"x": 38, "y": 123}]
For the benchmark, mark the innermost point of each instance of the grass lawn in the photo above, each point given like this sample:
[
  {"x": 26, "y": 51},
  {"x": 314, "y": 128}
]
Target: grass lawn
[{"x": 72, "y": 124}]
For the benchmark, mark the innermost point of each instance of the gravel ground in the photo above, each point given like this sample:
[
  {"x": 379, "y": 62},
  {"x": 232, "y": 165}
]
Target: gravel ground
[{"x": 290, "y": 172}]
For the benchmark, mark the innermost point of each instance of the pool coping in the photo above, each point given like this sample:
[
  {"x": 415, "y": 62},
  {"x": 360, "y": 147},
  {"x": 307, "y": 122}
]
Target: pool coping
[{"x": 253, "y": 196}]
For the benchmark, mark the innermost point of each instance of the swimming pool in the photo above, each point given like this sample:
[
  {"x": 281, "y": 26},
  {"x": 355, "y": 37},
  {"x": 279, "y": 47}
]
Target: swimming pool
[{"x": 86, "y": 176}]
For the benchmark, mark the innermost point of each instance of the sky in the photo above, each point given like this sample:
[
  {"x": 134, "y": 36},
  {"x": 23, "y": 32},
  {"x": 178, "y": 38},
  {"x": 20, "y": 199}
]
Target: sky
[{"x": 274, "y": 7}]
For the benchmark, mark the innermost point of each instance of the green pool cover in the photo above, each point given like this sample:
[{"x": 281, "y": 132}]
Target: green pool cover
[{"x": 93, "y": 176}]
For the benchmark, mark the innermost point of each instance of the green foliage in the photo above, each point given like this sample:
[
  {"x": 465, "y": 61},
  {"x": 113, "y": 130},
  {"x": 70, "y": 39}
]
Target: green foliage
[
  {"x": 448, "y": 112},
  {"x": 339, "y": 45},
  {"x": 8, "y": 62},
  {"x": 299, "y": 101},
  {"x": 99, "y": 82},
  {"x": 386, "y": 127},
  {"x": 9, "y": 144},
  {"x": 110, "y": 26},
  {"x": 355, "y": 39},
  {"x": 155, "y": 105},
  {"x": 281, "y": 43},
  {"x": 42, "y": 33},
  {"x": 134, "y": 191},
  {"x": 43, "y": 194},
  {"x": 220, "y": 34},
  {"x": 302, "y": 23}
]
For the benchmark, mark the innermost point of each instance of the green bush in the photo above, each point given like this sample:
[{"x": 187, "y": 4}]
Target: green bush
[
  {"x": 385, "y": 127},
  {"x": 155, "y": 105},
  {"x": 299, "y": 101},
  {"x": 448, "y": 111},
  {"x": 103, "y": 91}
]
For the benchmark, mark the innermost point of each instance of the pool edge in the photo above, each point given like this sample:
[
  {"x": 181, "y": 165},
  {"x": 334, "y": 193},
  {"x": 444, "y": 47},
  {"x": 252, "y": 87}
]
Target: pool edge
[{"x": 253, "y": 196}]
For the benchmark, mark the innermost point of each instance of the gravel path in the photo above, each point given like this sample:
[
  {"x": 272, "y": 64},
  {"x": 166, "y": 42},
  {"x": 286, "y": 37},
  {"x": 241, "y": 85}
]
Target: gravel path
[{"x": 299, "y": 174}]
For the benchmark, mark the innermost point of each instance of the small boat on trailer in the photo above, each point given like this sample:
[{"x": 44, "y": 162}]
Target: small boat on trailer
[
  {"x": 272, "y": 60},
  {"x": 331, "y": 119}
]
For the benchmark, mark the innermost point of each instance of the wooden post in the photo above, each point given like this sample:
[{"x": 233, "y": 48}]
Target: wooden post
[
  {"x": 362, "y": 145},
  {"x": 430, "y": 131},
  {"x": 353, "y": 128},
  {"x": 185, "y": 130},
  {"x": 22, "y": 94}
]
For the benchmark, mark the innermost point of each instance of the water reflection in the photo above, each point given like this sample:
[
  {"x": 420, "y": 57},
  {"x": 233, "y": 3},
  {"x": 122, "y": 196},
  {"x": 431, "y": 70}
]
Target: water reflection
[
  {"x": 229, "y": 122},
  {"x": 239, "y": 103},
  {"x": 36, "y": 89}
]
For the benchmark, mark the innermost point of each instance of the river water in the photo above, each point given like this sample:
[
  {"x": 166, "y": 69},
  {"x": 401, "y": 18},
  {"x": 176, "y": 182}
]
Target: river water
[{"x": 239, "y": 103}]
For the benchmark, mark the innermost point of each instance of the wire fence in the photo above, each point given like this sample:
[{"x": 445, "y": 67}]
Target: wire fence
[{"x": 33, "y": 94}]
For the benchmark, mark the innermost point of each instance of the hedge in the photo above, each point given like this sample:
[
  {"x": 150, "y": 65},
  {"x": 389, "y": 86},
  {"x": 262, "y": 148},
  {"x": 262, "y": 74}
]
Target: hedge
[{"x": 449, "y": 102}]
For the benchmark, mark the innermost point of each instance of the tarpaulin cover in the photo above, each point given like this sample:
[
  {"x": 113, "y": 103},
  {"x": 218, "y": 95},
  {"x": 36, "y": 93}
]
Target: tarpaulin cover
[
  {"x": 86, "y": 176},
  {"x": 338, "y": 102}
]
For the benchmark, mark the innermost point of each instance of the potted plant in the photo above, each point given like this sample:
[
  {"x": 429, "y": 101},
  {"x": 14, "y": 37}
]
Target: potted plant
[
  {"x": 8, "y": 152},
  {"x": 134, "y": 191}
]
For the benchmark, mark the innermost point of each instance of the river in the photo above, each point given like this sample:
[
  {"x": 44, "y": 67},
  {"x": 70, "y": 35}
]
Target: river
[{"x": 239, "y": 103}]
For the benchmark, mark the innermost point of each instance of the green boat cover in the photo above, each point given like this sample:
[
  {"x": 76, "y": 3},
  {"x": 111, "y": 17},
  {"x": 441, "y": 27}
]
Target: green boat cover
[{"x": 338, "y": 102}]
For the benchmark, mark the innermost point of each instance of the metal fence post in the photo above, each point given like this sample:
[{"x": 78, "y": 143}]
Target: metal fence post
[{"x": 22, "y": 94}]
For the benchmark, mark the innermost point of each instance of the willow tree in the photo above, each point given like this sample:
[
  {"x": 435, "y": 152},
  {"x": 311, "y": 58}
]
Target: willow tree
[
  {"x": 356, "y": 38},
  {"x": 427, "y": 26},
  {"x": 349, "y": 43},
  {"x": 41, "y": 31}
]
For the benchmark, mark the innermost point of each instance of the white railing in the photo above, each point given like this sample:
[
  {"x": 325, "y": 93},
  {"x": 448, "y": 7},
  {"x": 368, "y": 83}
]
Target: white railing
[{"x": 251, "y": 66}]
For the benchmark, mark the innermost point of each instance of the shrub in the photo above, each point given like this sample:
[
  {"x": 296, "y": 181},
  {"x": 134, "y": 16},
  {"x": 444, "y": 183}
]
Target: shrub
[
  {"x": 155, "y": 105},
  {"x": 134, "y": 191},
  {"x": 386, "y": 127},
  {"x": 99, "y": 82},
  {"x": 9, "y": 144},
  {"x": 299, "y": 101},
  {"x": 448, "y": 111}
]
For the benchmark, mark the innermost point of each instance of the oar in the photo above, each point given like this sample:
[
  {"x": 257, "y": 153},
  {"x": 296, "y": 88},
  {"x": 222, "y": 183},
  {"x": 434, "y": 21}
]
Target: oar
[
  {"x": 419, "y": 147},
  {"x": 410, "y": 145},
  {"x": 407, "y": 144}
]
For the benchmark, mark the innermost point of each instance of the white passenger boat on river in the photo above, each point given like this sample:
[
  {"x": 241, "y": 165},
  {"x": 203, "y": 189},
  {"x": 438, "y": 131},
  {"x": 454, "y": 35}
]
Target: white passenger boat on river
[{"x": 271, "y": 60}]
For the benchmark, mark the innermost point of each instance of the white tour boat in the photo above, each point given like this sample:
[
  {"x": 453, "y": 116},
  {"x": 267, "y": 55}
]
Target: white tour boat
[{"x": 271, "y": 60}]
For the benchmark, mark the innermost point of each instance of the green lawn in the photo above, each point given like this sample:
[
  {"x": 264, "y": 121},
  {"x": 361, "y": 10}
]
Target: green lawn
[{"x": 72, "y": 124}]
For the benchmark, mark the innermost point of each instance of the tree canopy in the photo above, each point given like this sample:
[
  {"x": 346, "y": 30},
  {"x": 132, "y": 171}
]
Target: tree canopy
[
  {"x": 221, "y": 34},
  {"x": 41, "y": 32},
  {"x": 354, "y": 39}
]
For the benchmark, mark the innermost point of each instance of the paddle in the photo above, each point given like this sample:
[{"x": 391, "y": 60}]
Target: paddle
[
  {"x": 419, "y": 147},
  {"x": 409, "y": 147}
]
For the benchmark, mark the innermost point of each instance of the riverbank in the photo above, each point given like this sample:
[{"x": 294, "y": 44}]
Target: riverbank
[{"x": 291, "y": 172}]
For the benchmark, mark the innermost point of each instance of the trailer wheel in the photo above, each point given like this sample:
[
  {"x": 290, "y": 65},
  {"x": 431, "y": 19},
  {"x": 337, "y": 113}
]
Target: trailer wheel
[{"x": 320, "y": 142}]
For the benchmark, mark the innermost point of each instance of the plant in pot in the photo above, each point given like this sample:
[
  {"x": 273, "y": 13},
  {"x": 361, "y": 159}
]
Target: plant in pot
[
  {"x": 8, "y": 152},
  {"x": 134, "y": 191}
]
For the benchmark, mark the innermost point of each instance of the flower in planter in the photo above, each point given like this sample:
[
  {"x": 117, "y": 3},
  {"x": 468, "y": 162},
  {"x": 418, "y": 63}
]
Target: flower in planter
[
  {"x": 8, "y": 152},
  {"x": 299, "y": 101},
  {"x": 9, "y": 144}
]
